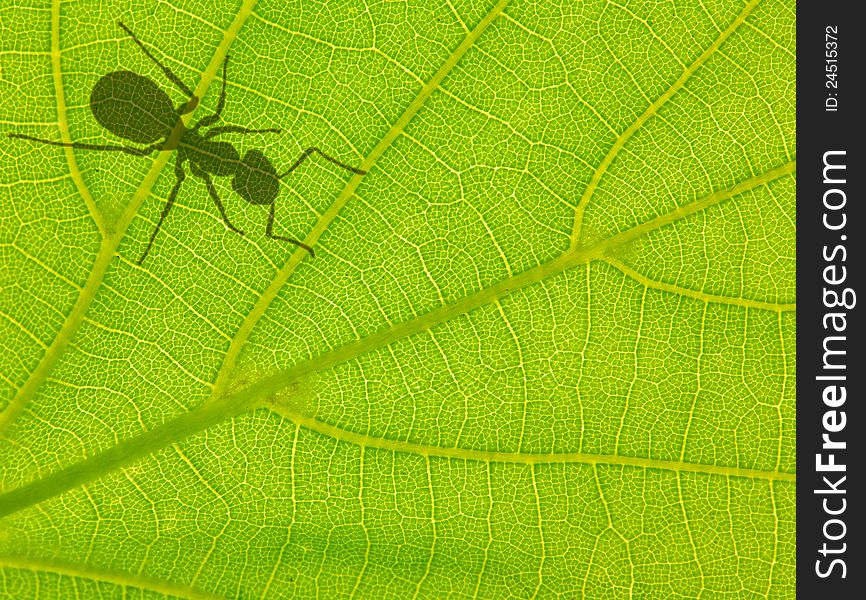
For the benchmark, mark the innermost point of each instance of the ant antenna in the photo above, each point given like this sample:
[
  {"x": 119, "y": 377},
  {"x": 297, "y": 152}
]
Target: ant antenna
[
  {"x": 168, "y": 72},
  {"x": 330, "y": 159}
]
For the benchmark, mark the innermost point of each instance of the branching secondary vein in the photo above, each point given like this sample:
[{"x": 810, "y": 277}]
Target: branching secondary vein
[
  {"x": 651, "y": 111},
  {"x": 697, "y": 294},
  {"x": 63, "y": 123},
  {"x": 267, "y": 297}
]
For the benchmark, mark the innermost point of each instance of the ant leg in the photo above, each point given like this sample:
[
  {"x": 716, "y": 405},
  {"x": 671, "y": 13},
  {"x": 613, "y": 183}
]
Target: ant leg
[
  {"x": 270, "y": 233},
  {"x": 306, "y": 154},
  {"x": 82, "y": 146},
  {"x": 216, "y": 200},
  {"x": 210, "y": 120},
  {"x": 235, "y": 129},
  {"x": 181, "y": 175},
  {"x": 168, "y": 72}
]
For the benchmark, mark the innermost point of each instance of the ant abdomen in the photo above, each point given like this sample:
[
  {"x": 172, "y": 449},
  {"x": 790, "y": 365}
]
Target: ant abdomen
[
  {"x": 256, "y": 179},
  {"x": 132, "y": 107}
]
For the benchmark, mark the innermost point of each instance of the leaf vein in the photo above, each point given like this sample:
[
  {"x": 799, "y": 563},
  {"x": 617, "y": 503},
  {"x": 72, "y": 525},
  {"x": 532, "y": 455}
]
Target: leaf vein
[
  {"x": 492, "y": 456},
  {"x": 63, "y": 123},
  {"x": 124, "y": 580},
  {"x": 267, "y": 297},
  {"x": 697, "y": 294},
  {"x": 651, "y": 111}
]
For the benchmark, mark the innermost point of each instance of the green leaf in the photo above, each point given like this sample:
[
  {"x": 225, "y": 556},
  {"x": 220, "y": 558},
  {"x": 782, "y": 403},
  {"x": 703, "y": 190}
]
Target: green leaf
[{"x": 546, "y": 346}]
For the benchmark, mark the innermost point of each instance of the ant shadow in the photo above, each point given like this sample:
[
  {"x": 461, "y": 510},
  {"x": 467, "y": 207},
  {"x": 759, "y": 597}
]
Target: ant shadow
[{"x": 134, "y": 108}]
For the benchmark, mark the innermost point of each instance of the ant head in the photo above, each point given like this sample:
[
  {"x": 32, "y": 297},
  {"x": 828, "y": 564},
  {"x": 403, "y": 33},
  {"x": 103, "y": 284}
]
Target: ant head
[
  {"x": 132, "y": 107},
  {"x": 256, "y": 180}
]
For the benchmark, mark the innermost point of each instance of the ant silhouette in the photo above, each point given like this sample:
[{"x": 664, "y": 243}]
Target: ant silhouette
[{"x": 134, "y": 108}]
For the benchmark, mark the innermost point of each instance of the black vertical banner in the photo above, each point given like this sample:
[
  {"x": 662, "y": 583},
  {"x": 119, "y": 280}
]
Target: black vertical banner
[{"x": 830, "y": 269}]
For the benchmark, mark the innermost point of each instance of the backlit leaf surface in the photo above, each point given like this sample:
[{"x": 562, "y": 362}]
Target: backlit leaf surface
[{"x": 545, "y": 348}]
